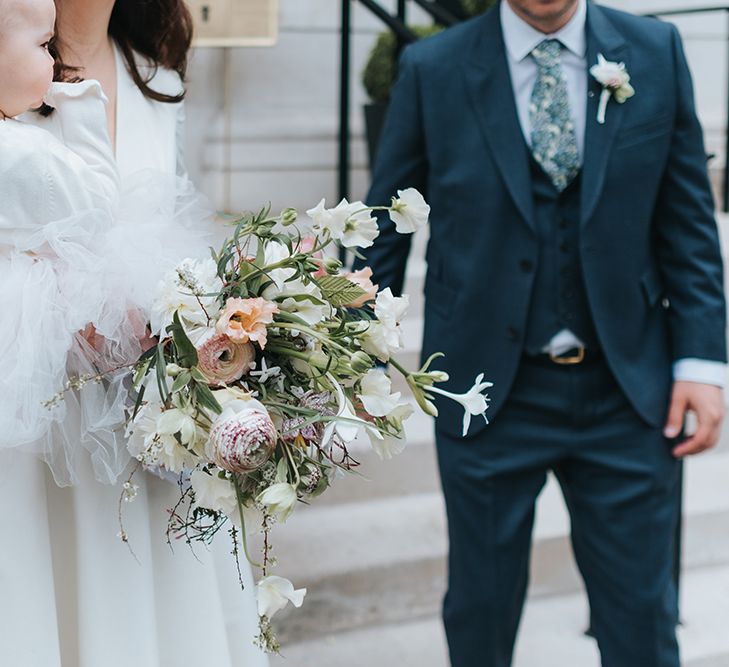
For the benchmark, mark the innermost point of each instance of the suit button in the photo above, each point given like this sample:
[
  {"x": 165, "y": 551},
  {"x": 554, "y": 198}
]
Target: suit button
[
  {"x": 564, "y": 246},
  {"x": 526, "y": 265},
  {"x": 512, "y": 333},
  {"x": 563, "y": 223}
]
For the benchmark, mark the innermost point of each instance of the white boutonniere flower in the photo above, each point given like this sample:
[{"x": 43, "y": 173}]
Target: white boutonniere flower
[{"x": 615, "y": 82}]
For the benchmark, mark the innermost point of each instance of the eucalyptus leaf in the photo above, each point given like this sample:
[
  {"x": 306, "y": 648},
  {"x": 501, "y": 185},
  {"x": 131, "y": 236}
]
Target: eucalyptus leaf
[
  {"x": 206, "y": 399},
  {"x": 186, "y": 352},
  {"x": 182, "y": 380}
]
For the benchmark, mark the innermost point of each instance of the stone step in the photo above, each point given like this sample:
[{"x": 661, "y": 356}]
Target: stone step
[
  {"x": 384, "y": 560},
  {"x": 551, "y": 634}
]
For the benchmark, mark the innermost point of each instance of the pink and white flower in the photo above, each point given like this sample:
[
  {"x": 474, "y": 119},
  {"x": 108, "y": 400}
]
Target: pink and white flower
[{"x": 242, "y": 437}]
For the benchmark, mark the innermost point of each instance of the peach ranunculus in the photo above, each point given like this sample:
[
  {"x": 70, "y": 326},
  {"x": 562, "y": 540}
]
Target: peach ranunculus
[
  {"x": 222, "y": 360},
  {"x": 244, "y": 320},
  {"x": 363, "y": 279}
]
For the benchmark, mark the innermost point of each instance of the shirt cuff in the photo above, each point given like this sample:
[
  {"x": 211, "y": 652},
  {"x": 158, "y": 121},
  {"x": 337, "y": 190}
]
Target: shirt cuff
[{"x": 700, "y": 370}]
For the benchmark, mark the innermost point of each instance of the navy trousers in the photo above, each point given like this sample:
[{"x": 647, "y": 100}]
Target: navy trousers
[{"x": 619, "y": 481}]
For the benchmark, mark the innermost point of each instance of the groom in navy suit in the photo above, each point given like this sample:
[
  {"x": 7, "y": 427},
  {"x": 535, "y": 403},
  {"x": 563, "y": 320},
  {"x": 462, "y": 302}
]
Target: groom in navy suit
[{"x": 574, "y": 258}]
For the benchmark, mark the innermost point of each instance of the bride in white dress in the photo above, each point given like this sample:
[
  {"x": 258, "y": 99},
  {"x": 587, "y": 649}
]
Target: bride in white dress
[{"x": 71, "y": 595}]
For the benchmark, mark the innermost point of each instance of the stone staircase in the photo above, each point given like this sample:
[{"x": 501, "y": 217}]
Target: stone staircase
[{"x": 372, "y": 553}]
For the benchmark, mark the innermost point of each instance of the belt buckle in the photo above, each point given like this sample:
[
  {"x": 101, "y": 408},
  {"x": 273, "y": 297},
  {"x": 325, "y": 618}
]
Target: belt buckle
[{"x": 571, "y": 360}]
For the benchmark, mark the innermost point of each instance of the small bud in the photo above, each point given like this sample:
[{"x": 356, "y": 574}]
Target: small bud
[
  {"x": 289, "y": 216},
  {"x": 173, "y": 370},
  {"x": 361, "y": 362},
  {"x": 332, "y": 265}
]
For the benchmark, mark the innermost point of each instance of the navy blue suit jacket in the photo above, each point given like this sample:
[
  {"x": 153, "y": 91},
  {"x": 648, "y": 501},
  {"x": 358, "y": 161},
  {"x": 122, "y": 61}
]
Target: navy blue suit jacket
[{"x": 648, "y": 237}]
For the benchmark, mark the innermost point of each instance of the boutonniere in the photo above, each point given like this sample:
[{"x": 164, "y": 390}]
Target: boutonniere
[{"x": 615, "y": 82}]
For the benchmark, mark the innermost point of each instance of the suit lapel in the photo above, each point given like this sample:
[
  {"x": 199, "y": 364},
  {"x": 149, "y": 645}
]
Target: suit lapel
[
  {"x": 601, "y": 38},
  {"x": 492, "y": 100}
]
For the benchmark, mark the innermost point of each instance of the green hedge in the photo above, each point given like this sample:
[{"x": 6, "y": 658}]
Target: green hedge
[{"x": 379, "y": 73}]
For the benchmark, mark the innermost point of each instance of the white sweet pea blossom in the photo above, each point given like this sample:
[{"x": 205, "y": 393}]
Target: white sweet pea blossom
[
  {"x": 183, "y": 290},
  {"x": 360, "y": 230},
  {"x": 347, "y": 424},
  {"x": 387, "y": 446},
  {"x": 280, "y": 499},
  {"x": 214, "y": 493},
  {"x": 312, "y": 310},
  {"x": 273, "y": 253},
  {"x": 350, "y": 224},
  {"x": 332, "y": 220},
  {"x": 409, "y": 211},
  {"x": 390, "y": 309},
  {"x": 375, "y": 394},
  {"x": 274, "y": 593},
  {"x": 474, "y": 402},
  {"x": 615, "y": 82},
  {"x": 383, "y": 337}
]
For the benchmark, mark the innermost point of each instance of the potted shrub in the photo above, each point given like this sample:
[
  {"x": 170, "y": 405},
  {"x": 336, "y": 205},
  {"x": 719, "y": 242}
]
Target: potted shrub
[{"x": 380, "y": 70}]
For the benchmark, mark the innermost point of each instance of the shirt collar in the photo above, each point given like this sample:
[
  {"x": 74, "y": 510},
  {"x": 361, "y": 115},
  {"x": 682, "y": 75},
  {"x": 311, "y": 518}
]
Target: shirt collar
[{"x": 521, "y": 39}]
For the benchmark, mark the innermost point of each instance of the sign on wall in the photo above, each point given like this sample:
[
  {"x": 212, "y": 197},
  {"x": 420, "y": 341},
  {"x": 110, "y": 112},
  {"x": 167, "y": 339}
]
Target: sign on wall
[{"x": 235, "y": 22}]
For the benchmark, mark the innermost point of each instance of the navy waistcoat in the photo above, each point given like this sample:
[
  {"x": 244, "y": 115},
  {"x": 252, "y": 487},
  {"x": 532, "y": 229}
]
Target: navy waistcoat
[{"x": 558, "y": 299}]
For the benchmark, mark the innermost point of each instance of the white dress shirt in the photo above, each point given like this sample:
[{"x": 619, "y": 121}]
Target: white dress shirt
[{"x": 520, "y": 40}]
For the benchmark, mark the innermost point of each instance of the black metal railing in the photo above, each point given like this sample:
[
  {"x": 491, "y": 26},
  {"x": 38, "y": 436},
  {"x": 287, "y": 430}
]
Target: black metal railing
[{"x": 398, "y": 25}]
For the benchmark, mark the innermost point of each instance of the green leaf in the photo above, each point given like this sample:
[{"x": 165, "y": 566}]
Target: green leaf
[
  {"x": 182, "y": 380},
  {"x": 206, "y": 399},
  {"x": 161, "y": 367},
  {"x": 339, "y": 291},
  {"x": 186, "y": 352},
  {"x": 138, "y": 402}
]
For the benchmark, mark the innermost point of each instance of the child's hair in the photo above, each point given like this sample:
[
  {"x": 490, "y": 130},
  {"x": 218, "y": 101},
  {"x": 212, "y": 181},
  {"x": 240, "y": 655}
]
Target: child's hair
[{"x": 160, "y": 30}]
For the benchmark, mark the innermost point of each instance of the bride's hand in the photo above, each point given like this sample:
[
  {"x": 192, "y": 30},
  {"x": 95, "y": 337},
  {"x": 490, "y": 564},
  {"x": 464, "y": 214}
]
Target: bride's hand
[{"x": 92, "y": 337}]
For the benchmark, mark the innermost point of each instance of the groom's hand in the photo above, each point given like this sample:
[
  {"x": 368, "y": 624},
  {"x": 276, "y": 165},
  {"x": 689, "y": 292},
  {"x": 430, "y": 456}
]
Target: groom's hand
[{"x": 707, "y": 402}]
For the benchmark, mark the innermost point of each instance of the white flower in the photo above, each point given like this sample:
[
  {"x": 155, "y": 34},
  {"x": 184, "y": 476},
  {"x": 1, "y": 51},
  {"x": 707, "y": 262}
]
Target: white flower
[
  {"x": 350, "y": 224},
  {"x": 267, "y": 372},
  {"x": 473, "y": 401},
  {"x": 346, "y": 424},
  {"x": 183, "y": 290},
  {"x": 214, "y": 493},
  {"x": 176, "y": 421},
  {"x": 156, "y": 448},
  {"x": 375, "y": 394},
  {"x": 274, "y": 253},
  {"x": 309, "y": 305},
  {"x": 409, "y": 211},
  {"x": 615, "y": 82},
  {"x": 389, "y": 309},
  {"x": 280, "y": 498},
  {"x": 360, "y": 230},
  {"x": 383, "y": 337},
  {"x": 274, "y": 593},
  {"x": 390, "y": 445},
  {"x": 332, "y": 220}
]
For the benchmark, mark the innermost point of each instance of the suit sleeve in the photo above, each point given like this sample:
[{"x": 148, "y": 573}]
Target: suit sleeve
[
  {"x": 689, "y": 251},
  {"x": 401, "y": 163}
]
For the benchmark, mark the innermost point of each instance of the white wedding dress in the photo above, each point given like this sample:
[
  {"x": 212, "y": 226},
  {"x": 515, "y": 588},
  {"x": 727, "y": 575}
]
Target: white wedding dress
[{"x": 71, "y": 594}]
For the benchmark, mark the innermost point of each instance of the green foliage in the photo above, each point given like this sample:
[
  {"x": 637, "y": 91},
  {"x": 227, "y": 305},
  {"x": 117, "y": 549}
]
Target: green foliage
[
  {"x": 339, "y": 291},
  {"x": 474, "y": 7},
  {"x": 380, "y": 71}
]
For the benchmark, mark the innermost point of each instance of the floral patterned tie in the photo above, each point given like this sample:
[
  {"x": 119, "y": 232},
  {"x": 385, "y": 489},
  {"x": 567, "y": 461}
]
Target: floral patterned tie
[{"x": 554, "y": 141}]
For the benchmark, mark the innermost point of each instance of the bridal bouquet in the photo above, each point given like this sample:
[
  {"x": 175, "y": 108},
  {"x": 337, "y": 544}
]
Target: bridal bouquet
[{"x": 270, "y": 362}]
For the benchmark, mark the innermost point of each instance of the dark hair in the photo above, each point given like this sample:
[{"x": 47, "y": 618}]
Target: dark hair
[{"x": 159, "y": 30}]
